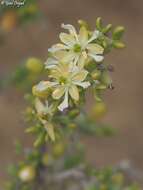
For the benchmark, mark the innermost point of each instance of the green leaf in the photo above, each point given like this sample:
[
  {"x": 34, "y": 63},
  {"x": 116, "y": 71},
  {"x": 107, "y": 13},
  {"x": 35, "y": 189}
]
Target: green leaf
[
  {"x": 40, "y": 139},
  {"x": 50, "y": 129}
]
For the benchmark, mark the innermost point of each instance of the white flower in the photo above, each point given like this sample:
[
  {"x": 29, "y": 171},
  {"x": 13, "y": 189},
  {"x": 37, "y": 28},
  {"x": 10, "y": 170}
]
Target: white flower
[
  {"x": 45, "y": 110},
  {"x": 65, "y": 82},
  {"x": 79, "y": 46}
]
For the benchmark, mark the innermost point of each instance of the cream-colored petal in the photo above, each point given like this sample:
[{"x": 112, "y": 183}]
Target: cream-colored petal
[
  {"x": 74, "y": 93},
  {"x": 58, "y": 92},
  {"x": 68, "y": 57},
  {"x": 57, "y": 47},
  {"x": 68, "y": 39},
  {"x": 83, "y": 84},
  {"x": 51, "y": 63},
  {"x": 97, "y": 58},
  {"x": 83, "y": 36},
  {"x": 95, "y": 48},
  {"x": 64, "y": 104},
  {"x": 80, "y": 75},
  {"x": 94, "y": 36},
  {"x": 44, "y": 85},
  {"x": 76, "y": 58},
  {"x": 59, "y": 55},
  {"x": 71, "y": 29},
  {"x": 81, "y": 61}
]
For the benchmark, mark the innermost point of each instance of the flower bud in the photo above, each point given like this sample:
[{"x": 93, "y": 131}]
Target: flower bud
[
  {"x": 99, "y": 23},
  {"x": 27, "y": 174},
  {"x": 96, "y": 74},
  {"x": 118, "y": 32},
  {"x": 34, "y": 65},
  {"x": 107, "y": 28},
  {"x": 101, "y": 87},
  {"x": 83, "y": 23},
  {"x": 119, "y": 45}
]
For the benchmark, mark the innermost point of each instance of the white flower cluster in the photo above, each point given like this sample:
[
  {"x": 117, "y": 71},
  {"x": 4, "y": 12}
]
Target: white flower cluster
[{"x": 66, "y": 64}]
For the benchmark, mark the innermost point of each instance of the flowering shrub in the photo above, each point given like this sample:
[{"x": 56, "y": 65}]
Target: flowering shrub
[{"x": 56, "y": 113}]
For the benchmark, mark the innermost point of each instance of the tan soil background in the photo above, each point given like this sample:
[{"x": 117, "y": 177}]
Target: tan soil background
[{"x": 125, "y": 103}]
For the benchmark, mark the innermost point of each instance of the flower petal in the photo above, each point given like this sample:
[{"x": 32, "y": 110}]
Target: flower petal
[
  {"x": 58, "y": 92},
  {"x": 95, "y": 48},
  {"x": 94, "y": 36},
  {"x": 51, "y": 63},
  {"x": 59, "y": 55},
  {"x": 97, "y": 58},
  {"x": 83, "y": 36},
  {"x": 80, "y": 76},
  {"x": 64, "y": 104},
  {"x": 70, "y": 56},
  {"x": 81, "y": 61},
  {"x": 57, "y": 47},
  {"x": 71, "y": 29},
  {"x": 44, "y": 85},
  {"x": 74, "y": 93},
  {"x": 83, "y": 84},
  {"x": 68, "y": 39}
]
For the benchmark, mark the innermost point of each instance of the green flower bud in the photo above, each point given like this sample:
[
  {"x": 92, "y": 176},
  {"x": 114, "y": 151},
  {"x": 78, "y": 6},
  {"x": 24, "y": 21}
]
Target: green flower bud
[
  {"x": 34, "y": 65},
  {"x": 119, "y": 45},
  {"x": 101, "y": 87},
  {"x": 83, "y": 23},
  {"x": 99, "y": 23},
  {"x": 96, "y": 74},
  {"x": 107, "y": 28},
  {"x": 118, "y": 32},
  {"x": 106, "y": 79}
]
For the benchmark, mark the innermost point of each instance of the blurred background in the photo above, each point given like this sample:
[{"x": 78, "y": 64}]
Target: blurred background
[{"x": 125, "y": 103}]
